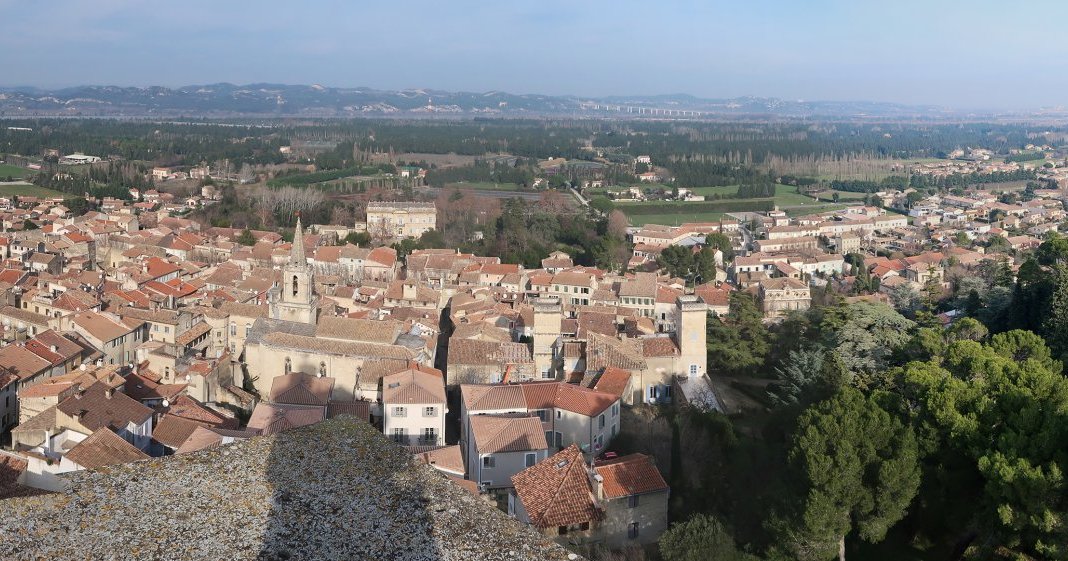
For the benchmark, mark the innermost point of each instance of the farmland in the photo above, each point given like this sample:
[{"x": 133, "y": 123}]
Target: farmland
[
  {"x": 27, "y": 190},
  {"x": 15, "y": 172}
]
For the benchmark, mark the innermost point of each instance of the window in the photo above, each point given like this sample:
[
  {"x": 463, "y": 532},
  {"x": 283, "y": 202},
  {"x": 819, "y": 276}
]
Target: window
[
  {"x": 693, "y": 370},
  {"x": 430, "y": 434},
  {"x": 398, "y": 435},
  {"x": 559, "y": 414},
  {"x": 233, "y": 329},
  {"x": 399, "y": 412},
  {"x": 559, "y": 440},
  {"x": 600, "y": 421},
  {"x": 294, "y": 285},
  {"x": 531, "y": 459},
  {"x": 615, "y": 410},
  {"x": 541, "y": 414},
  {"x": 489, "y": 462},
  {"x": 322, "y": 369},
  {"x": 632, "y": 501},
  {"x": 545, "y": 373},
  {"x": 289, "y": 365},
  {"x": 430, "y": 411},
  {"x": 598, "y": 442},
  {"x": 248, "y": 330},
  {"x": 549, "y": 437},
  {"x": 632, "y": 531}
]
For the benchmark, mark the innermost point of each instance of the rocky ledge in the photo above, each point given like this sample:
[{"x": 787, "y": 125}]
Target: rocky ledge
[{"x": 337, "y": 490}]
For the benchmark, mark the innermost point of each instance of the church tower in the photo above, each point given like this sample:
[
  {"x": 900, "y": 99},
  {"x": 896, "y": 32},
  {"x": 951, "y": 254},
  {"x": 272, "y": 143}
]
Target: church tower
[{"x": 294, "y": 298}]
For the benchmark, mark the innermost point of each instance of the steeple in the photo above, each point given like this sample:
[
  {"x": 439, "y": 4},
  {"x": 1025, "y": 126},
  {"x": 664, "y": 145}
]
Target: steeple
[{"x": 296, "y": 255}]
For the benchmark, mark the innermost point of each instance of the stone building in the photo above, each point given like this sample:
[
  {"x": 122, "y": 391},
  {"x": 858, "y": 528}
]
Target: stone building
[{"x": 388, "y": 220}]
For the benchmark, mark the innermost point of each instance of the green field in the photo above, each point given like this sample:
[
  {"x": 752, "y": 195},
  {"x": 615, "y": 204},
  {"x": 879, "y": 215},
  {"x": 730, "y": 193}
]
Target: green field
[
  {"x": 13, "y": 171},
  {"x": 21, "y": 190},
  {"x": 672, "y": 212}
]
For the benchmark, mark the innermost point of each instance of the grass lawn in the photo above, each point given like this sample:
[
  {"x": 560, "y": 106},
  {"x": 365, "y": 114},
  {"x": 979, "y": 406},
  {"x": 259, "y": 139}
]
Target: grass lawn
[
  {"x": 729, "y": 190},
  {"x": 483, "y": 186},
  {"x": 29, "y": 190},
  {"x": 14, "y": 171}
]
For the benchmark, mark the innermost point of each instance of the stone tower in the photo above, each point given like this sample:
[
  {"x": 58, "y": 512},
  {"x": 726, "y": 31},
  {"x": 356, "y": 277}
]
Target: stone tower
[
  {"x": 548, "y": 316},
  {"x": 691, "y": 315},
  {"x": 294, "y": 299}
]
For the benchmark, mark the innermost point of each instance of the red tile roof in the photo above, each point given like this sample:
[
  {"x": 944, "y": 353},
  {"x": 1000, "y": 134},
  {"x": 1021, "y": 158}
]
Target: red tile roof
[
  {"x": 557, "y": 491},
  {"x": 634, "y": 474}
]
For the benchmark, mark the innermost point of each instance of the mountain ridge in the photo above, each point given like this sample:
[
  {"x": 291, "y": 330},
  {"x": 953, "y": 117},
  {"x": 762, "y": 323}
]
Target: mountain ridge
[{"x": 314, "y": 100}]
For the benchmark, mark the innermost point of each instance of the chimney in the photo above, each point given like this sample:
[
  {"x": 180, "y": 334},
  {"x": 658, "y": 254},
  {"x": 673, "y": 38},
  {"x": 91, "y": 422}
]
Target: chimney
[
  {"x": 109, "y": 392},
  {"x": 598, "y": 485}
]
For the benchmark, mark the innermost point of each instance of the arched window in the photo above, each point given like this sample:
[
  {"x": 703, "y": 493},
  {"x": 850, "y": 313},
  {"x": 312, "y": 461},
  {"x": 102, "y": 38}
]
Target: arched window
[
  {"x": 289, "y": 365},
  {"x": 294, "y": 285}
]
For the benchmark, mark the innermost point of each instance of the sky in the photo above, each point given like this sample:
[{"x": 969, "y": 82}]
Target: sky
[{"x": 965, "y": 55}]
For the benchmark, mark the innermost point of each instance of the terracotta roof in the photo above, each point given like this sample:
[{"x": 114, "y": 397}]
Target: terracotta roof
[
  {"x": 613, "y": 381},
  {"x": 204, "y": 438},
  {"x": 94, "y": 409},
  {"x": 299, "y": 388},
  {"x": 356, "y": 408},
  {"x": 413, "y": 386},
  {"x": 493, "y": 434},
  {"x": 270, "y": 418},
  {"x": 634, "y": 474},
  {"x": 472, "y": 351},
  {"x": 330, "y": 346},
  {"x": 445, "y": 458},
  {"x": 363, "y": 330},
  {"x": 191, "y": 334},
  {"x": 603, "y": 351},
  {"x": 658, "y": 346},
  {"x": 104, "y": 448},
  {"x": 493, "y": 397},
  {"x": 557, "y": 492},
  {"x": 172, "y": 431}
]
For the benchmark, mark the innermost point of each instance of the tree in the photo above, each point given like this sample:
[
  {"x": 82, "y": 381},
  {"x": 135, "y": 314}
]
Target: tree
[
  {"x": 739, "y": 342},
  {"x": 29, "y": 225},
  {"x": 1055, "y": 327},
  {"x": 358, "y": 238},
  {"x": 995, "y": 413},
  {"x": 865, "y": 336},
  {"x": 246, "y": 238},
  {"x": 700, "y": 538},
  {"x": 858, "y": 472},
  {"x": 808, "y": 374}
]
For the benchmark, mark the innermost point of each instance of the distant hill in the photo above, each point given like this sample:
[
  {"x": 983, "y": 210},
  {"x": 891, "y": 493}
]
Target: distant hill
[{"x": 277, "y": 100}]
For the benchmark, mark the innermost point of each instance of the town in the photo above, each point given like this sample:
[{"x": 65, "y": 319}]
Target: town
[{"x": 582, "y": 384}]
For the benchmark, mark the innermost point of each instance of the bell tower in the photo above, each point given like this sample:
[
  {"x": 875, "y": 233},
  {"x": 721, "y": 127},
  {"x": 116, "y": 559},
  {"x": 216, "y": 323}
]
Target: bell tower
[{"x": 294, "y": 299}]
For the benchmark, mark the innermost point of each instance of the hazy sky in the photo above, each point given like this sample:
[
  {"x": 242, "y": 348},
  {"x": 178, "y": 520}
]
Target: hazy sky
[{"x": 975, "y": 54}]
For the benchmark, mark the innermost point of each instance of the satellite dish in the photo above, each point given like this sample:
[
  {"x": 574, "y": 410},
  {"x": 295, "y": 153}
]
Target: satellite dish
[{"x": 166, "y": 403}]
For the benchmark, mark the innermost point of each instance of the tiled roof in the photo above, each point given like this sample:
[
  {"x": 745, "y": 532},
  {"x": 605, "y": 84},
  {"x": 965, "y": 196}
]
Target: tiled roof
[
  {"x": 557, "y": 492},
  {"x": 330, "y": 346},
  {"x": 634, "y": 474},
  {"x": 356, "y": 408},
  {"x": 603, "y": 351},
  {"x": 493, "y": 434},
  {"x": 613, "y": 381},
  {"x": 94, "y": 408},
  {"x": 658, "y": 346},
  {"x": 299, "y": 388},
  {"x": 104, "y": 448},
  {"x": 472, "y": 351},
  {"x": 270, "y": 418},
  {"x": 172, "y": 431},
  {"x": 413, "y": 386},
  {"x": 362, "y": 330},
  {"x": 493, "y": 397},
  {"x": 445, "y": 458}
]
